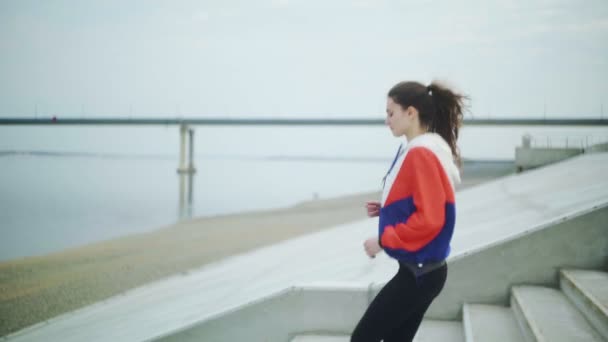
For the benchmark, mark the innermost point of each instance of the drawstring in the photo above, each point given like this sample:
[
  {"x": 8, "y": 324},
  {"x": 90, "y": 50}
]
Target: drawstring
[{"x": 392, "y": 165}]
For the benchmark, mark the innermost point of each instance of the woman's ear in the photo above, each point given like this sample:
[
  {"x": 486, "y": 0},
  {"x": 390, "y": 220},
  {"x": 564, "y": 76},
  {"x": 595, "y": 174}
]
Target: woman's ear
[{"x": 411, "y": 112}]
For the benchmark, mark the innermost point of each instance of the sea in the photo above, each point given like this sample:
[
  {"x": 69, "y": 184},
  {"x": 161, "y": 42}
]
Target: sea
[{"x": 68, "y": 186}]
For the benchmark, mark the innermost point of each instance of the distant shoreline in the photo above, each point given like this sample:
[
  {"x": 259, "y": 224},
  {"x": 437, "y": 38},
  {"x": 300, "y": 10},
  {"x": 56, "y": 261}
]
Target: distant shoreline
[{"x": 475, "y": 171}]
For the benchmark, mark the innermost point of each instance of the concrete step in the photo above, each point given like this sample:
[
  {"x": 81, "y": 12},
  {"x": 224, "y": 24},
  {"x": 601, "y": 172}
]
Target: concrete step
[
  {"x": 430, "y": 331},
  {"x": 546, "y": 315},
  {"x": 446, "y": 331},
  {"x": 588, "y": 290},
  {"x": 321, "y": 338},
  {"x": 490, "y": 323}
]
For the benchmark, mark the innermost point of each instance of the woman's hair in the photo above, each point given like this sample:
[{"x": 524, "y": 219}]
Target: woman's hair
[{"x": 440, "y": 109}]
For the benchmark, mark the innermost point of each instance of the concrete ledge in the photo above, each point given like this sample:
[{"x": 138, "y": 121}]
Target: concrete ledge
[{"x": 529, "y": 158}]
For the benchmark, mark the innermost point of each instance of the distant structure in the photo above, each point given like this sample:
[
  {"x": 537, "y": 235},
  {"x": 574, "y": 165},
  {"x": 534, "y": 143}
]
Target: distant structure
[{"x": 528, "y": 156}]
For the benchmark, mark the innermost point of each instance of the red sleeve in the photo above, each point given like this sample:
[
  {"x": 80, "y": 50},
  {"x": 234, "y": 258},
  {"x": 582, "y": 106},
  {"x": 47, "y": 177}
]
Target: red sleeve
[{"x": 421, "y": 169}]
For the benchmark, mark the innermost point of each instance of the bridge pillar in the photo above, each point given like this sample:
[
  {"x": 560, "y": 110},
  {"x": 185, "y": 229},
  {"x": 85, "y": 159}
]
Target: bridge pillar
[
  {"x": 191, "y": 168},
  {"x": 183, "y": 167}
]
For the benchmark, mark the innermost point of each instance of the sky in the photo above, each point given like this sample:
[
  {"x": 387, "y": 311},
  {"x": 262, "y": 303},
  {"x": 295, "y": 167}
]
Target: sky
[{"x": 290, "y": 58}]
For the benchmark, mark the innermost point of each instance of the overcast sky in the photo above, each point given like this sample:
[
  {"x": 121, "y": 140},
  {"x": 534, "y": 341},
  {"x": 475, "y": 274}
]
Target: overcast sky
[{"x": 291, "y": 58}]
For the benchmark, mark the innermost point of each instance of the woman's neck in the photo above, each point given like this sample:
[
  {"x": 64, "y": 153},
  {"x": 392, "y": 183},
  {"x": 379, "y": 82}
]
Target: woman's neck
[{"x": 415, "y": 133}]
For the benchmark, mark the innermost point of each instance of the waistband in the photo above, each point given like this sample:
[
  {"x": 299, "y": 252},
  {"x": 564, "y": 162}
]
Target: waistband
[{"x": 422, "y": 268}]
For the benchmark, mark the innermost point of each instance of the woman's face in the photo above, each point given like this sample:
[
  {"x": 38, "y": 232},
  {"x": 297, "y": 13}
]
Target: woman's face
[{"x": 397, "y": 118}]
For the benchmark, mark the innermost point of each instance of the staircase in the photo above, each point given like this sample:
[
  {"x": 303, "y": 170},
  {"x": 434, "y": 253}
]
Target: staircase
[{"x": 577, "y": 312}]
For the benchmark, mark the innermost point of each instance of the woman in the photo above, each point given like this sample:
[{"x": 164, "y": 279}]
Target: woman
[{"x": 417, "y": 212}]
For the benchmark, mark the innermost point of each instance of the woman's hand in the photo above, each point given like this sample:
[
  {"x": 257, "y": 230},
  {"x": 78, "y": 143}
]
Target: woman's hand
[
  {"x": 372, "y": 247},
  {"x": 373, "y": 208}
]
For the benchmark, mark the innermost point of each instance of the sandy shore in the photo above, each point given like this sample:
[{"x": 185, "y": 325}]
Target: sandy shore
[{"x": 38, "y": 288}]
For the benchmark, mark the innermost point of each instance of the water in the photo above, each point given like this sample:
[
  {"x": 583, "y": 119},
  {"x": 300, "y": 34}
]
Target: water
[{"x": 106, "y": 182}]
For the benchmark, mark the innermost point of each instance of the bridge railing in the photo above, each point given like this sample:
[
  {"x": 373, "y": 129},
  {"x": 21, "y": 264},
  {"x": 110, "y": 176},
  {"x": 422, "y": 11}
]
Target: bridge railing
[{"x": 566, "y": 141}]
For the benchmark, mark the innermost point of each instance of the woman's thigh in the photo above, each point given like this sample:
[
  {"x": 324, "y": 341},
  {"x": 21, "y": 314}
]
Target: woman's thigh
[
  {"x": 388, "y": 309},
  {"x": 431, "y": 285}
]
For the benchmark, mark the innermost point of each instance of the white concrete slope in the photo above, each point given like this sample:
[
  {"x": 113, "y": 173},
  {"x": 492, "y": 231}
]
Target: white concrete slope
[{"x": 487, "y": 215}]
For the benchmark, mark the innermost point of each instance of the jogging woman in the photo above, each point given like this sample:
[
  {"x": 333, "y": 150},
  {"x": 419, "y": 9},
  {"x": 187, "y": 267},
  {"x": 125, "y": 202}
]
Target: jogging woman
[{"x": 417, "y": 212}]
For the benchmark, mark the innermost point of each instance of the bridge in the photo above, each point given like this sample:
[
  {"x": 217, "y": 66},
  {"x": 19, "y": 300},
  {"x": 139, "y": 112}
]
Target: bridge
[
  {"x": 218, "y": 121},
  {"x": 185, "y": 123}
]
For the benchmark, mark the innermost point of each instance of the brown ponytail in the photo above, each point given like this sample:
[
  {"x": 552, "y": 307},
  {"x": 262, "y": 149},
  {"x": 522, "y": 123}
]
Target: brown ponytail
[{"x": 440, "y": 109}]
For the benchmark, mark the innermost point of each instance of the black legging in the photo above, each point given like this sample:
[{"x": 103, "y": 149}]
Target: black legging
[{"x": 396, "y": 312}]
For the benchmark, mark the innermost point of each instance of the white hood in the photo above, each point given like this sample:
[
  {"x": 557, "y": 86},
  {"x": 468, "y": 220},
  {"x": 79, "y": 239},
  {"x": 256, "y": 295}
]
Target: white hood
[
  {"x": 438, "y": 146},
  {"x": 442, "y": 150}
]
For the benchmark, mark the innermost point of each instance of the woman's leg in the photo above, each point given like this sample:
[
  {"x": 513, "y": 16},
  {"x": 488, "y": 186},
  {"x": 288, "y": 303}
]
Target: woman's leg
[
  {"x": 408, "y": 329},
  {"x": 430, "y": 286},
  {"x": 388, "y": 309}
]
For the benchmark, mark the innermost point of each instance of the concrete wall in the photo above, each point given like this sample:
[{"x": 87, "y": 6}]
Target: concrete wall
[
  {"x": 487, "y": 276},
  {"x": 528, "y": 158},
  {"x": 597, "y": 148},
  {"x": 280, "y": 317}
]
